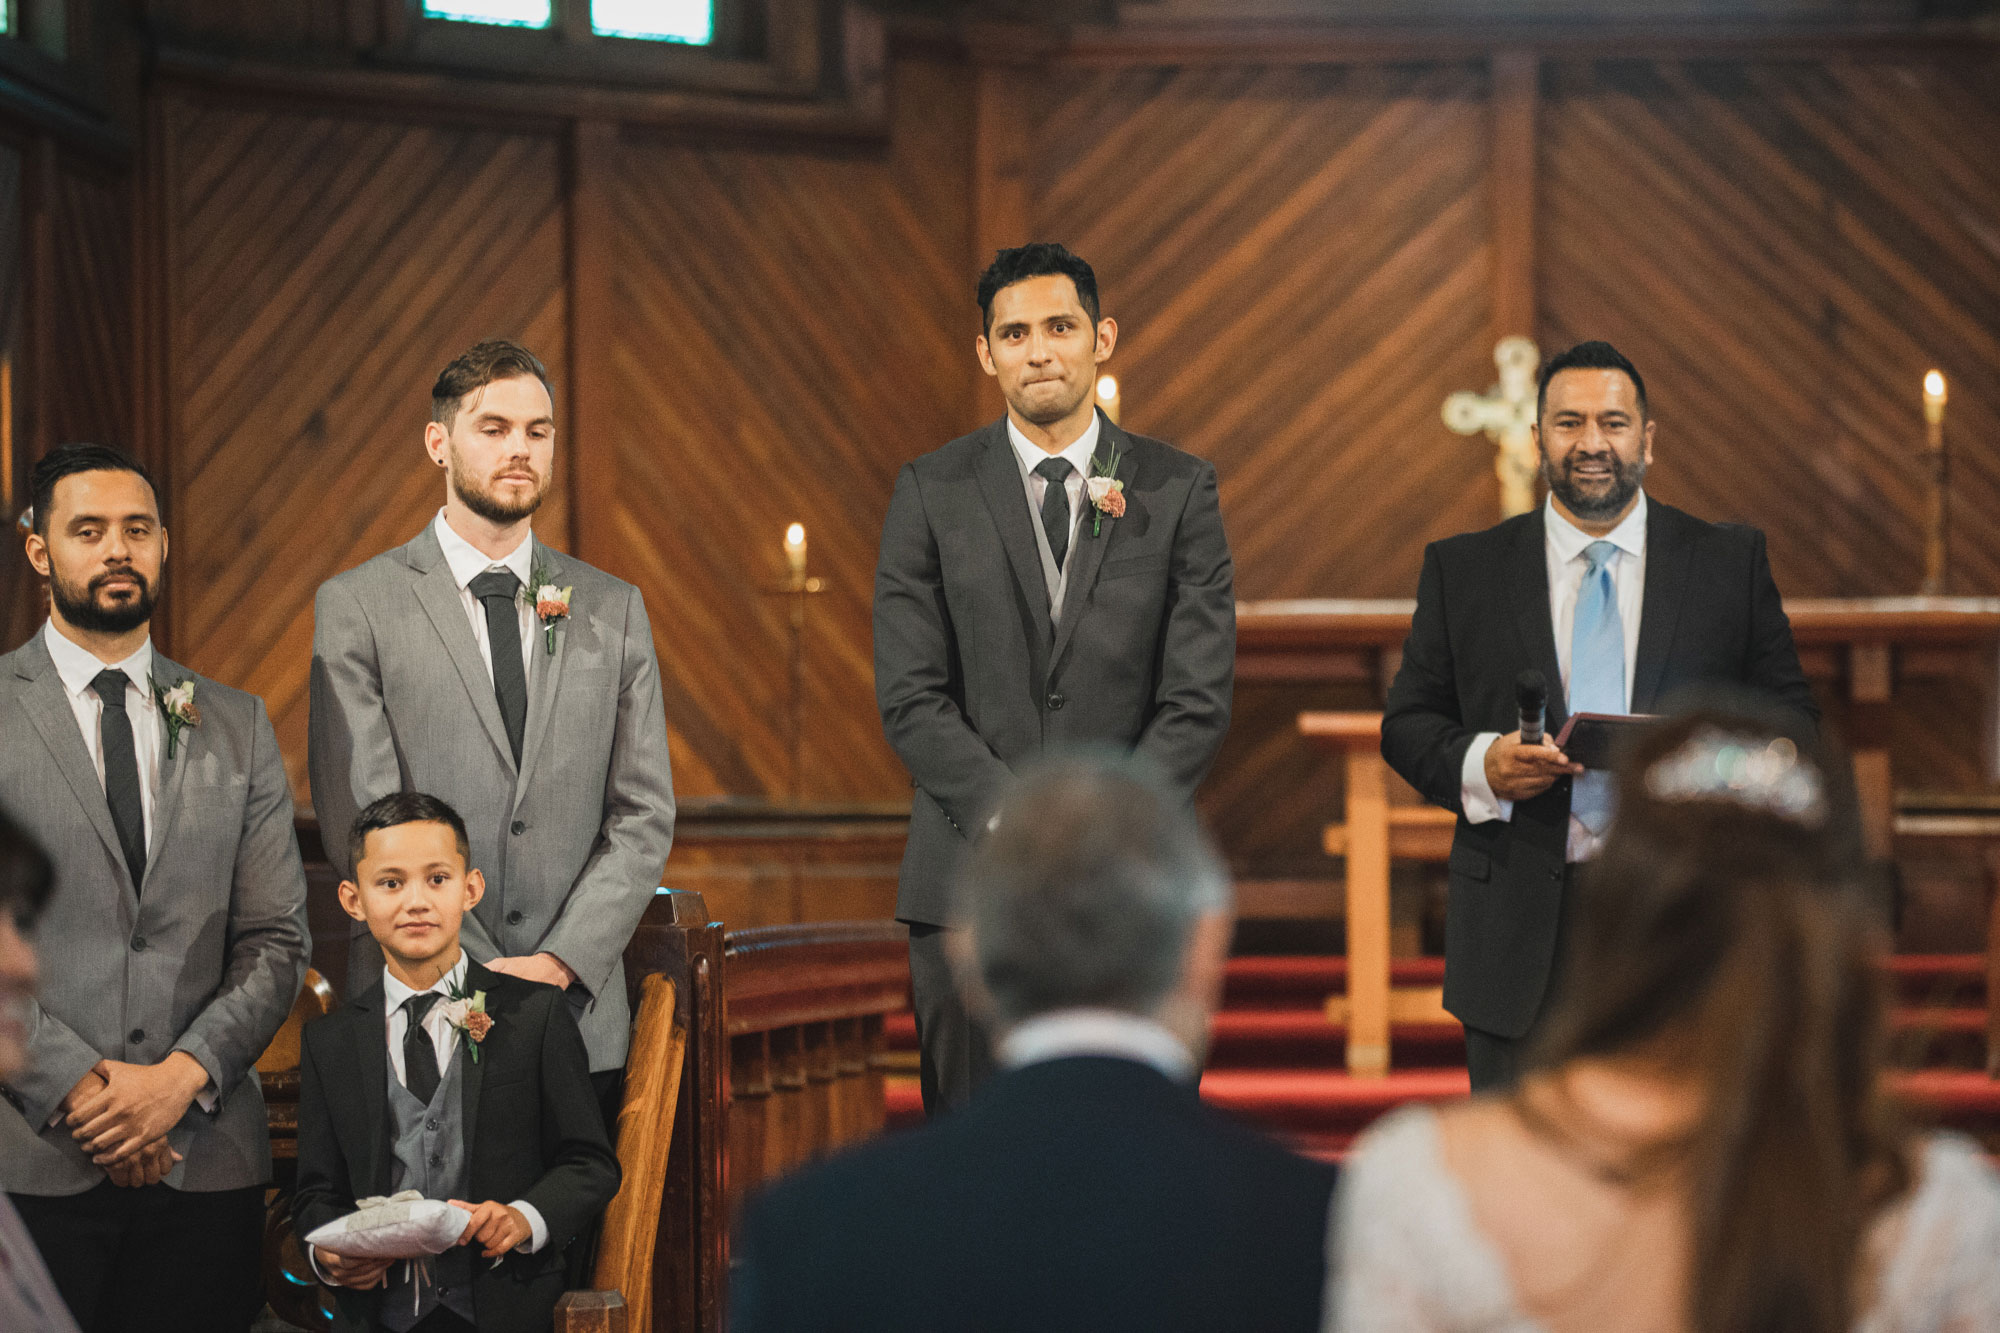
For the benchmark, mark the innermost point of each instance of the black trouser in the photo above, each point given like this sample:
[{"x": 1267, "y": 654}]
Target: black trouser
[
  {"x": 1494, "y": 1061},
  {"x": 441, "y": 1320},
  {"x": 153, "y": 1259},
  {"x": 955, "y": 1055}
]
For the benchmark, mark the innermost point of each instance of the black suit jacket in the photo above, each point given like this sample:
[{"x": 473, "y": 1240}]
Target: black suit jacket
[
  {"x": 1085, "y": 1193},
  {"x": 1711, "y": 614},
  {"x": 973, "y": 682},
  {"x": 533, "y": 1131}
]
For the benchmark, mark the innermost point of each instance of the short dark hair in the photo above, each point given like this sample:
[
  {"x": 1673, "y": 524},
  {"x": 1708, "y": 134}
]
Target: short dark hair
[
  {"x": 66, "y": 460},
  {"x": 397, "y": 809},
  {"x": 1036, "y": 259},
  {"x": 494, "y": 359},
  {"x": 26, "y": 875},
  {"x": 1593, "y": 355}
]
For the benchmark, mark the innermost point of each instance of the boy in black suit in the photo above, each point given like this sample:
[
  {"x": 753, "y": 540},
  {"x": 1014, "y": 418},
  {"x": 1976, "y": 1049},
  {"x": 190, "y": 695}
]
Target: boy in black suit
[{"x": 405, "y": 1087}]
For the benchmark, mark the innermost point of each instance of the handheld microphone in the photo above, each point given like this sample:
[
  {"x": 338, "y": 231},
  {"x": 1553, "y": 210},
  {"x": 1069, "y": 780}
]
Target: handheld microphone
[{"x": 1531, "y": 693}]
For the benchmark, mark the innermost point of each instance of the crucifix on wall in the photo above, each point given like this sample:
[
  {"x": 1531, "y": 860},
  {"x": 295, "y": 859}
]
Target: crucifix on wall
[{"x": 1505, "y": 413}]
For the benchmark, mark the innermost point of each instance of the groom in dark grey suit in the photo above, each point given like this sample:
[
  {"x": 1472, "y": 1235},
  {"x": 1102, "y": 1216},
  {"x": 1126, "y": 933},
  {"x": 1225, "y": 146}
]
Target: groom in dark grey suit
[
  {"x": 519, "y": 685},
  {"x": 1046, "y": 582},
  {"x": 135, "y": 1144}
]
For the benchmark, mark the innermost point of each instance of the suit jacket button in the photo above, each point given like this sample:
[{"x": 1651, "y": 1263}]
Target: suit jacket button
[
  {"x": 1056, "y": 701},
  {"x": 516, "y": 917},
  {"x": 520, "y": 826},
  {"x": 136, "y": 1035},
  {"x": 138, "y": 944}
]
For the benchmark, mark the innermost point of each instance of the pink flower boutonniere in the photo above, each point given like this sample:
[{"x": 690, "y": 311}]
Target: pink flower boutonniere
[
  {"x": 551, "y": 603},
  {"x": 177, "y": 706},
  {"x": 465, "y": 1012},
  {"x": 1107, "y": 493}
]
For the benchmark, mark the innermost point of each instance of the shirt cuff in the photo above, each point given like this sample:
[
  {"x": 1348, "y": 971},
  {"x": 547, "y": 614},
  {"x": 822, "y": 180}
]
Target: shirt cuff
[
  {"x": 538, "y": 1230},
  {"x": 205, "y": 1099},
  {"x": 1475, "y": 793},
  {"x": 312, "y": 1260}
]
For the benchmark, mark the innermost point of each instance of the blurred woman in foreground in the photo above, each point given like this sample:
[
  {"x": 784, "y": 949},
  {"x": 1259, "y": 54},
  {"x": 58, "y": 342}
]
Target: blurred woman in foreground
[{"x": 1701, "y": 1142}]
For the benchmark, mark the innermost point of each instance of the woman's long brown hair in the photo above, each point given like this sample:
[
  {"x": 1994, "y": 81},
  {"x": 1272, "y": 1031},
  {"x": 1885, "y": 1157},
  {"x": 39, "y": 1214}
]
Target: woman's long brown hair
[{"x": 1738, "y": 945}]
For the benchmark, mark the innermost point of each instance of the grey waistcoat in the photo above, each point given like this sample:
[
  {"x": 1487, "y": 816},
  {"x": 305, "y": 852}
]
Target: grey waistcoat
[{"x": 428, "y": 1144}]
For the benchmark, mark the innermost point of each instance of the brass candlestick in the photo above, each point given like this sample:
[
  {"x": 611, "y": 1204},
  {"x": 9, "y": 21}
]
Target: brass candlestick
[
  {"x": 797, "y": 586},
  {"x": 1937, "y": 531}
]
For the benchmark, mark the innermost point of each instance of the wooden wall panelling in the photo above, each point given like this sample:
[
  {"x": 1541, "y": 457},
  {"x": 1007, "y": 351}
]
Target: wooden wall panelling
[
  {"x": 327, "y": 267},
  {"x": 1784, "y": 248},
  {"x": 20, "y": 591},
  {"x": 793, "y": 325}
]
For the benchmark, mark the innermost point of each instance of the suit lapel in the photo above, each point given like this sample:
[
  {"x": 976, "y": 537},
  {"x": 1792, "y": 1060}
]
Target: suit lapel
[
  {"x": 368, "y": 1030},
  {"x": 471, "y": 1072},
  {"x": 1087, "y": 554},
  {"x": 47, "y": 705},
  {"x": 1528, "y": 589},
  {"x": 173, "y": 771},
  {"x": 1000, "y": 485},
  {"x": 545, "y": 673},
  {"x": 439, "y": 597},
  {"x": 1668, "y": 554}
]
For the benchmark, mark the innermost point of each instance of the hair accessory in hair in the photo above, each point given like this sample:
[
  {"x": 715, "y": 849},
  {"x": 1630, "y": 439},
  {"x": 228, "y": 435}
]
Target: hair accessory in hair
[{"x": 1716, "y": 765}]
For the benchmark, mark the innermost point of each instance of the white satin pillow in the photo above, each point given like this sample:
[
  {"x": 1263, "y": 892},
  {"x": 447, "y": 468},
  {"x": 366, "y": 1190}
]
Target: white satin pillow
[{"x": 403, "y": 1226}]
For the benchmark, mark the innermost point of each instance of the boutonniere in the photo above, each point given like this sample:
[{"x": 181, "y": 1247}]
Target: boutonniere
[
  {"x": 465, "y": 1012},
  {"x": 551, "y": 602},
  {"x": 177, "y": 706},
  {"x": 1107, "y": 493}
]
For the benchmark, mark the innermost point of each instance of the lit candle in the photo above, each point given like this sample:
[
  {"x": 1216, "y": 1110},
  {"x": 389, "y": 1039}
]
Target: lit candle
[
  {"x": 1934, "y": 397},
  {"x": 795, "y": 550},
  {"x": 1107, "y": 396}
]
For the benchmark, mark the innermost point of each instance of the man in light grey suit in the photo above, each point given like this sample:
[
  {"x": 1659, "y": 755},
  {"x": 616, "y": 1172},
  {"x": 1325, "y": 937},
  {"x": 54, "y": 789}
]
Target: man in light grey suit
[
  {"x": 447, "y": 666},
  {"x": 135, "y": 1145},
  {"x": 1048, "y": 581}
]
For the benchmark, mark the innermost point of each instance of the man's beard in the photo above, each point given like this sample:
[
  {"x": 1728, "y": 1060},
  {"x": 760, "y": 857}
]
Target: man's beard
[
  {"x": 85, "y": 612},
  {"x": 1625, "y": 480},
  {"x": 488, "y": 506}
]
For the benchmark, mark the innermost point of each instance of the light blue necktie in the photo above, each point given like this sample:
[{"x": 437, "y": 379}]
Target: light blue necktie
[{"x": 1596, "y": 673}]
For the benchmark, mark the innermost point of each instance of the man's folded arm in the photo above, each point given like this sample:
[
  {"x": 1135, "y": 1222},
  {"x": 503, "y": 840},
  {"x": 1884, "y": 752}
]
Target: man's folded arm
[
  {"x": 57, "y": 1061},
  {"x": 1423, "y": 736},
  {"x": 913, "y": 671}
]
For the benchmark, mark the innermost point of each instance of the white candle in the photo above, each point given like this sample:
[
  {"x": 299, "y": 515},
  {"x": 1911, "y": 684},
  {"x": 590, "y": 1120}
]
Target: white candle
[
  {"x": 795, "y": 550},
  {"x": 1107, "y": 396}
]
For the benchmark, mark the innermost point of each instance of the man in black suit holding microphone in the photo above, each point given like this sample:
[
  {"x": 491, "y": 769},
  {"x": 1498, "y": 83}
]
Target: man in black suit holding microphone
[{"x": 1618, "y": 602}]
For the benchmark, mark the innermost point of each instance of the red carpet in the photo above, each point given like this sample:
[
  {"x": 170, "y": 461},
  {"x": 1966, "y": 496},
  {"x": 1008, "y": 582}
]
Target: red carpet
[{"x": 1275, "y": 1059}]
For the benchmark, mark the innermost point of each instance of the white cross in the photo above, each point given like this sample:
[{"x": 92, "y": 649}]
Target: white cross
[{"x": 1506, "y": 412}]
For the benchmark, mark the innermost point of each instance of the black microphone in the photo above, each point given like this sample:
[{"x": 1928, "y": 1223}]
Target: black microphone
[{"x": 1531, "y": 692}]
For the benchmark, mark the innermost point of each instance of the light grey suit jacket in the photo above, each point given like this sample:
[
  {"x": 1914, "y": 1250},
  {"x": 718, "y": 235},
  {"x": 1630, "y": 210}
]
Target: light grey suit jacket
[
  {"x": 206, "y": 957},
  {"x": 572, "y": 843}
]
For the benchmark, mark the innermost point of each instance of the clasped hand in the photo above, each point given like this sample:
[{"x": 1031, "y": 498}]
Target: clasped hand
[
  {"x": 494, "y": 1226},
  {"x": 123, "y": 1122},
  {"x": 543, "y": 967},
  {"x": 1517, "y": 772}
]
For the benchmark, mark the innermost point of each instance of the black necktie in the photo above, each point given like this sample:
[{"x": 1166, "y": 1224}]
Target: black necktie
[
  {"x": 121, "y": 771},
  {"x": 420, "y": 1059},
  {"x": 499, "y": 590},
  {"x": 1055, "y": 505}
]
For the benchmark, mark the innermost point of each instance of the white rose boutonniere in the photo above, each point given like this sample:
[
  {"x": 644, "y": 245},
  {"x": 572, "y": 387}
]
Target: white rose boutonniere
[{"x": 177, "y": 706}]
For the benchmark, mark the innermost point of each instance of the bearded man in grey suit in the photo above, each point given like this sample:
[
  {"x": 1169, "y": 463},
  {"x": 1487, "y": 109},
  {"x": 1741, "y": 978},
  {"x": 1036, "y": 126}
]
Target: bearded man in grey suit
[
  {"x": 517, "y": 684},
  {"x": 135, "y": 1144},
  {"x": 1048, "y": 581}
]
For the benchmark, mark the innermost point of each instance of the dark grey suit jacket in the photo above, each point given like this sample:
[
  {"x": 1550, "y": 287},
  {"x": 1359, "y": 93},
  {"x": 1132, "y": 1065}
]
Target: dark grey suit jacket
[
  {"x": 207, "y": 959},
  {"x": 972, "y": 678},
  {"x": 1711, "y": 615},
  {"x": 572, "y": 841}
]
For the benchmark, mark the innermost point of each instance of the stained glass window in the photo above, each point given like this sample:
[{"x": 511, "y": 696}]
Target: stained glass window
[{"x": 690, "y": 21}]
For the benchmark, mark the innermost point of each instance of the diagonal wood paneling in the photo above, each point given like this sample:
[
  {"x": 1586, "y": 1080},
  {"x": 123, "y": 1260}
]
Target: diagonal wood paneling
[
  {"x": 1300, "y": 263},
  {"x": 324, "y": 270},
  {"x": 792, "y": 326},
  {"x": 1784, "y": 249}
]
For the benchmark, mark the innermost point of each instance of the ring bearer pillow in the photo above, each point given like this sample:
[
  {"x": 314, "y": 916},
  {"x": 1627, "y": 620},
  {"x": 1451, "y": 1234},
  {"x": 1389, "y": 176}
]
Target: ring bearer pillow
[{"x": 402, "y": 1226}]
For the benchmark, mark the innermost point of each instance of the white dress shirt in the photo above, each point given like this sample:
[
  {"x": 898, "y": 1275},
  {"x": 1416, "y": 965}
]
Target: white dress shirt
[
  {"x": 467, "y": 562},
  {"x": 1077, "y": 454},
  {"x": 444, "y": 1038},
  {"x": 1106, "y": 1032},
  {"x": 1564, "y": 544},
  {"x": 76, "y": 666}
]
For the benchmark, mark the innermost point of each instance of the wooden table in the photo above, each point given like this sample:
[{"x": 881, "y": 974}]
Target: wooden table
[{"x": 1861, "y": 646}]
